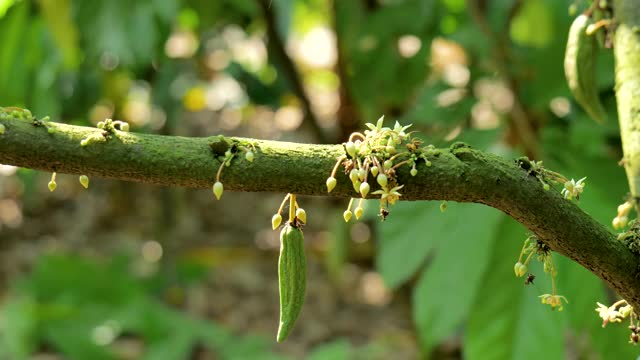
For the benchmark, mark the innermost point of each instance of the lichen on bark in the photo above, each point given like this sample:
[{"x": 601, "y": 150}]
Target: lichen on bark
[{"x": 459, "y": 173}]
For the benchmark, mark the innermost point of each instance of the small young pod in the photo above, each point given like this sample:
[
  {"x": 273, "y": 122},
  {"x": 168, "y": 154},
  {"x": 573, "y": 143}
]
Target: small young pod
[
  {"x": 292, "y": 278},
  {"x": 580, "y": 68}
]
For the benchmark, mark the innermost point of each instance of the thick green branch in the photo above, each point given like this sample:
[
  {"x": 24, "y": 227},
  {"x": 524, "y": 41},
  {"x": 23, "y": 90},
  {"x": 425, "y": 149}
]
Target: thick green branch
[
  {"x": 627, "y": 56},
  {"x": 458, "y": 174}
]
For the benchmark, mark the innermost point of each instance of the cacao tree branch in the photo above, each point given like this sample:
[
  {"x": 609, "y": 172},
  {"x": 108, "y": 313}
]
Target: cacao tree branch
[
  {"x": 627, "y": 57},
  {"x": 458, "y": 174}
]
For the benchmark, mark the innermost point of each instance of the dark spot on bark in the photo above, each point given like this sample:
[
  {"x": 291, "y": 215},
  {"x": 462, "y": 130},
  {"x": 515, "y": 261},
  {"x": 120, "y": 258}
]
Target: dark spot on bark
[
  {"x": 459, "y": 145},
  {"x": 219, "y": 145},
  {"x": 524, "y": 163}
]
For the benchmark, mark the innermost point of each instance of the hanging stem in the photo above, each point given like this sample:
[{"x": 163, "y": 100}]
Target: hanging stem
[
  {"x": 292, "y": 207},
  {"x": 284, "y": 201}
]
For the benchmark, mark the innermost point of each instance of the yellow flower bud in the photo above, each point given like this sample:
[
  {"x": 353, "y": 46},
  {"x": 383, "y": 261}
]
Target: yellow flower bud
[
  {"x": 382, "y": 180},
  {"x": 275, "y": 221},
  {"x": 218, "y": 189},
  {"x": 347, "y": 215},
  {"x": 351, "y": 149},
  {"x": 249, "y": 155},
  {"x": 301, "y": 215},
  {"x": 358, "y": 212},
  {"x": 331, "y": 183},
  {"x": 84, "y": 181},
  {"x": 364, "y": 189},
  {"x": 520, "y": 269}
]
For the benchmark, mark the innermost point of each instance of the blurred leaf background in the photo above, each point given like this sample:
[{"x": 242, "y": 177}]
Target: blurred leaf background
[{"x": 126, "y": 271}]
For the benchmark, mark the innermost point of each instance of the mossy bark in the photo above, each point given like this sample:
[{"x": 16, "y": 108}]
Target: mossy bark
[
  {"x": 627, "y": 57},
  {"x": 458, "y": 174}
]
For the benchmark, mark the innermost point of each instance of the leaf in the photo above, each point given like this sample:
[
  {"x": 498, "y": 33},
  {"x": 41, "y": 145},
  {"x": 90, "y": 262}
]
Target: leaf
[
  {"x": 571, "y": 155},
  {"x": 401, "y": 251},
  {"x": 507, "y": 320},
  {"x": 74, "y": 340},
  {"x": 5, "y": 5},
  {"x": 177, "y": 346},
  {"x": 14, "y": 30},
  {"x": 18, "y": 328},
  {"x": 533, "y": 24},
  {"x": 65, "y": 298},
  {"x": 428, "y": 110},
  {"x": 369, "y": 42},
  {"x": 132, "y": 33},
  {"x": 584, "y": 289},
  {"x": 57, "y": 15},
  {"x": 447, "y": 287},
  {"x": 337, "y": 350}
]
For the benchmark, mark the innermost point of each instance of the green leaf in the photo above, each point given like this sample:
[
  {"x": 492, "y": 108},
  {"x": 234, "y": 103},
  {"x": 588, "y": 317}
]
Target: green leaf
[
  {"x": 14, "y": 31},
  {"x": 369, "y": 41},
  {"x": 533, "y": 24},
  {"x": 448, "y": 286},
  {"x": 428, "y": 110},
  {"x": 581, "y": 152},
  {"x": 57, "y": 15},
  {"x": 73, "y": 339},
  {"x": 584, "y": 290},
  {"x": 132, "y": 33},
  {"x": 507, "y": 320},
  {"x": 177, "y": 346},
  {"x": 402, "y": 252},
  {"x": 18, "y": 328},
  {"x": 336, "y": 350},
  {"x": 5, "y": 5}
]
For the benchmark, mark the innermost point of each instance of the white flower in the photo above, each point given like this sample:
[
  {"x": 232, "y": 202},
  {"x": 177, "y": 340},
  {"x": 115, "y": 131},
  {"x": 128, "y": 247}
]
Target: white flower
[
  {"x": 400, "y": 130},
  {"x": 374, "y": 129},
  {"x": 555, "y": 301},
  {"x": 390, "y": 196},
  {"x": 608, "y": 314},
  {"x": 573, "y": 189}
]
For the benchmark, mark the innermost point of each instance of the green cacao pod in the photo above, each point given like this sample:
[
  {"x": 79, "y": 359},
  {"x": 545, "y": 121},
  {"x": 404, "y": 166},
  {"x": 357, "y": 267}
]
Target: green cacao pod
[
  {"x": 292, "y": 278},
  {"x": 580, "y": 68}
]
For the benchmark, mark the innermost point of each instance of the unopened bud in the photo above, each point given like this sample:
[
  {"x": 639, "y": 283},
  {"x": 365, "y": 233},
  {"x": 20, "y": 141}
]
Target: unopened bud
[
  {"x": 351, "y": 149},
  {"x": 331, "y": 183},
  {"x": 347, "y": 215},
  {"x": 301, "y": 215},
  {"x": 249, "y": 155},
  {"x": 364, "y": 189},
  {"x": 84, "y": 181},
  {"x": 275, "y": 221},
  {"x": 382, "y": 180},
  {"x": 218, "y": 189}
]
